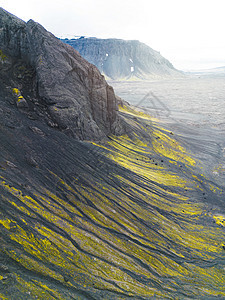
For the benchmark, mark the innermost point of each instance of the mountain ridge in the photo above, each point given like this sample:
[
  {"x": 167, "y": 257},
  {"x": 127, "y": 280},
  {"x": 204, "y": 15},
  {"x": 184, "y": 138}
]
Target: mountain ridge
[{"x": 123, "y": 59}]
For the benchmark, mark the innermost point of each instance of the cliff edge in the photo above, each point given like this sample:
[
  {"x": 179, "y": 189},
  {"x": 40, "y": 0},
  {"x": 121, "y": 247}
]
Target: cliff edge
[{"x": 54, "y": 81}]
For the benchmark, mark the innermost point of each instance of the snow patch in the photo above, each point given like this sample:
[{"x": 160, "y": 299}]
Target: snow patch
[
  {"x": 107, "y": 54},
  {"x": 132, "y": 69},
  {"x": 131, "y": 60}
]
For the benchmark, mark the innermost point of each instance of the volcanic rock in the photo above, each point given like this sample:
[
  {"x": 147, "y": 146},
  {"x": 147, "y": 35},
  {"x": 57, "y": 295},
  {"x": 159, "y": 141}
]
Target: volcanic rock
[{"x": 62, "y": 86}]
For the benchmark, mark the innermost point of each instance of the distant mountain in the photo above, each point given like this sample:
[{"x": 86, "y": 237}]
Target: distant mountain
[
  {"x": 218, "y": 70},
  {"x": 120, "y": 59},
  {"x": 214, "y": 72}
]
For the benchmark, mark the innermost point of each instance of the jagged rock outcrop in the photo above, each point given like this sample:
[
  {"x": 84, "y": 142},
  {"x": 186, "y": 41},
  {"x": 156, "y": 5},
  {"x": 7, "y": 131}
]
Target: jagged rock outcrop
[
  {"x": 120, "y": 59},
  {"x": 55, "y": 81}
]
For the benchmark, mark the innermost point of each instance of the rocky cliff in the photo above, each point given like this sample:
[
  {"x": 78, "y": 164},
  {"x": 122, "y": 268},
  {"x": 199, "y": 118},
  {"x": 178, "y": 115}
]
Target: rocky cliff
[
  {"x": 120, "y": 59},
  {"x": 54, "y": 81}
]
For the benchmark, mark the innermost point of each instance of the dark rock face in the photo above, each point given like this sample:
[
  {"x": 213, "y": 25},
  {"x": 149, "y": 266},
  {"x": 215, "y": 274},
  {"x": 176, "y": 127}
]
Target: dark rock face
[
  {"x": 120, "y": 59},
  {"x": 55, "y": 81}
]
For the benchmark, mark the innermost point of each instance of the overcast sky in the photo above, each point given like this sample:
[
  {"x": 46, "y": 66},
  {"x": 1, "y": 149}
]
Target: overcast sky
[{"x": 190, "y": 33}]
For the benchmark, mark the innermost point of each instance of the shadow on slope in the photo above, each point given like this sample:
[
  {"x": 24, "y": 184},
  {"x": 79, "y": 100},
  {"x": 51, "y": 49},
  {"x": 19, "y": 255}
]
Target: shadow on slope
[{"x": 127, "y": 218}]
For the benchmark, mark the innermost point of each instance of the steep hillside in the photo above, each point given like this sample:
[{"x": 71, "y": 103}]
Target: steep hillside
[
  {"x": 127, "y": 217},
  {"x": 55, "y": 80},
  {"x": 120, "y": 59}
]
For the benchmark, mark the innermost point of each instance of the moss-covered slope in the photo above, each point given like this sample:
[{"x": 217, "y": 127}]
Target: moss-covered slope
[{"x": 123, "y": 219}]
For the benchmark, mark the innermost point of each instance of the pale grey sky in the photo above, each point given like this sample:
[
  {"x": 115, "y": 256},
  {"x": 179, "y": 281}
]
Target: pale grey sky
[{"x": 190, "y": 33}]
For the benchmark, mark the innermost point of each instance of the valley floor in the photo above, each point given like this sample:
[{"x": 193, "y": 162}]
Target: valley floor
[
  {"x": 193, "y": 107},
  {"x": 196, "y": 101}
]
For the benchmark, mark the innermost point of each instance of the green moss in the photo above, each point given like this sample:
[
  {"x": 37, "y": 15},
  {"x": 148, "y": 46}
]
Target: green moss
[
  {"x": 2, "y": 56},
  {"x": 138, "y": 233},
  {"x": 16, "y": 92},
  {"x": 20, "y": 98},
  {"x": 220, "y": 220},
  {"x": 6, "y": 223}
]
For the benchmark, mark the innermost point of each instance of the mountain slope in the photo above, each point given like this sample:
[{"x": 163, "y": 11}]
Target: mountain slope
[
  {"x": 105, "y": 221},
  {"x": 128, "y": 217},
  {"x": 120, "y": 59}
]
